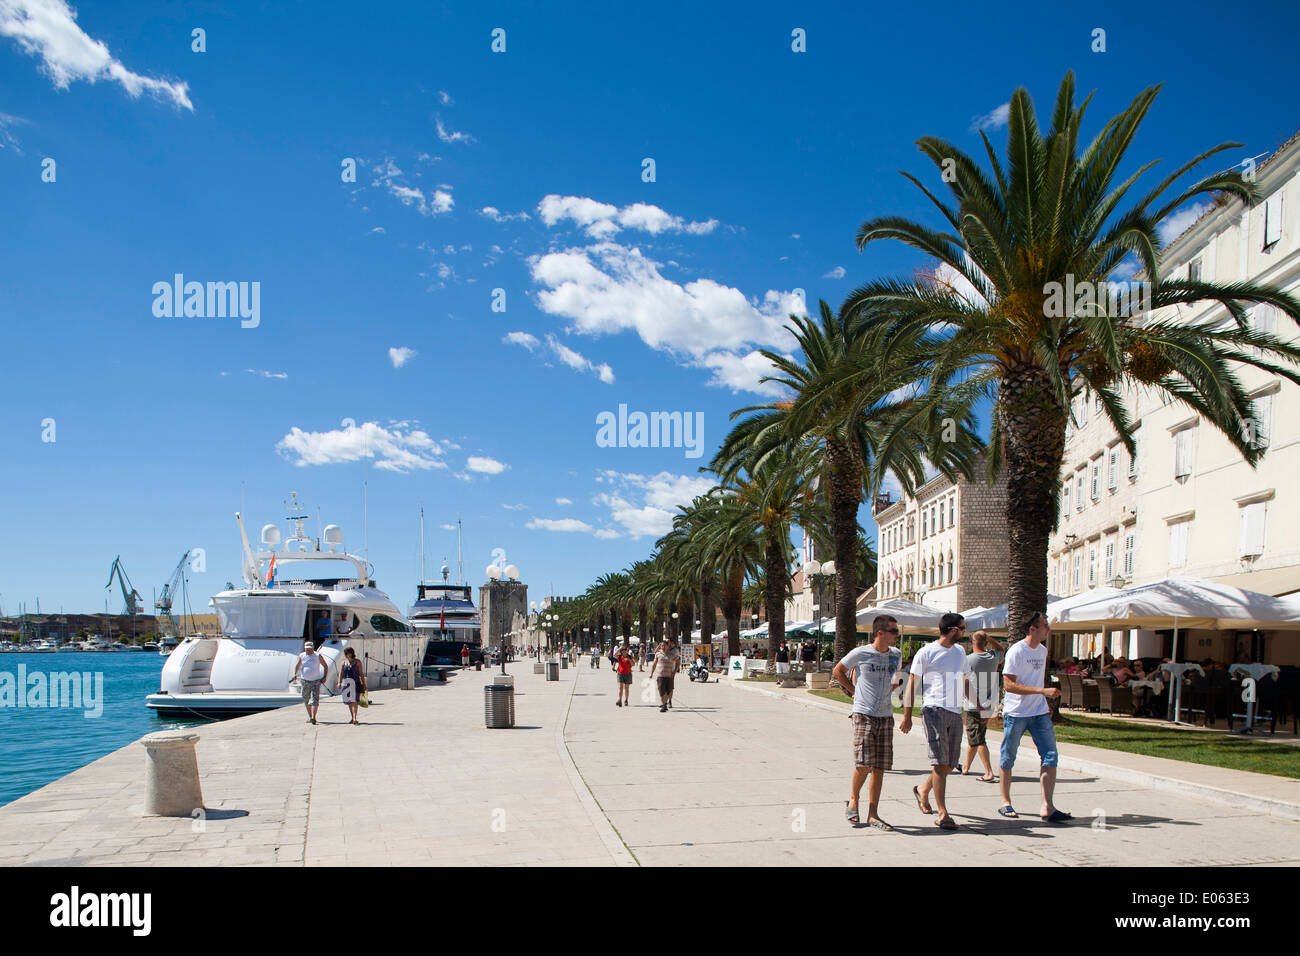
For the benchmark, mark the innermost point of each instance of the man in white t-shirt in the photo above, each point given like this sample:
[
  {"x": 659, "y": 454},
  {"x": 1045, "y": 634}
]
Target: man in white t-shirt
[
  {"x": 941, "y": 668},
  {"x": 314, "y": 670},
  {"x": 1024, "y": 676}
]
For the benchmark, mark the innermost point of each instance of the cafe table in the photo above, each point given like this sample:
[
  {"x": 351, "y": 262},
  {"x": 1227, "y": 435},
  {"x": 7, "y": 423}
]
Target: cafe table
[{"x": 1256, "y": 672}]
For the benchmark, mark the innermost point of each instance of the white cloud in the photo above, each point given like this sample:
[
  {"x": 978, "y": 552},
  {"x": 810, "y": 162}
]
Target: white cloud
[
  {"x": 557, "y": 524},
  {"x": 602, "y": 220},
  {"x": 394, "y": 449},
  {"x": 6, "y": 137},
  {"x": 529, "y": 342},
  {"x": 839, "y": 272},
  {"x": 645, "y": 505},
  {"x": 1175, "y": 224},
  {"x": 401, "y": 355},
  {"x": 486, "y": 466},
  {"x": 563, "y": 501},
  {"x": 578, "y": 362},
  {"x": 265, "y": 374},
  {"x": 741, "y": 373},
  {"x": 496, "y": 215},
  {"x": 446, "y": 99},
  {"x": 449, "y": 136},
  {"x": 607, "y": 288},
  {"x": 387, "y": 176},
  {"x": 995, "y": 119},
  {"x": 378, "y": 229},
  {"x": 447, "y": 527},
  {"x": 514, "y": 507},
  {"x": 607, "y": 533},
  {"x": 48, "y": 29}
]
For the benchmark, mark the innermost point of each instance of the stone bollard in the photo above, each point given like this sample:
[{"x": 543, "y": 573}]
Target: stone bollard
[{"x": 171, "y": 780}]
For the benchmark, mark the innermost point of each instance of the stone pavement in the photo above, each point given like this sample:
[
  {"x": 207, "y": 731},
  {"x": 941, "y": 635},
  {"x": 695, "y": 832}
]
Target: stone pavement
[{"x": 728, "y": 776}]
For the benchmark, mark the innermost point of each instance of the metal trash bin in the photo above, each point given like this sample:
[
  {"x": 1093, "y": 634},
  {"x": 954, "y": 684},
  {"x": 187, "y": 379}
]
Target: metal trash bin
[
  {"x": 538, "y": 667},
  {"x": 564, "y": 662},
  {"x": 498, "y": 705},
  {"x": 552, "y": 670}
]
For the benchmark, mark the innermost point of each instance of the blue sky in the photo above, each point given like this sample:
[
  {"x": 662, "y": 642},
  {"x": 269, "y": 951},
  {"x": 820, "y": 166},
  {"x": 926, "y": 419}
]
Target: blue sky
[{"x": 376, "y": 295}]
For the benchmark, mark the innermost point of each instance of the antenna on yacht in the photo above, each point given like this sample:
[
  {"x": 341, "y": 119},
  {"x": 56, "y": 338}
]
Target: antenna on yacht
[
  {"x": 365, "y": 517},
  {"x": 460, "y": 553},
  {"x": 421, "y": 544}
]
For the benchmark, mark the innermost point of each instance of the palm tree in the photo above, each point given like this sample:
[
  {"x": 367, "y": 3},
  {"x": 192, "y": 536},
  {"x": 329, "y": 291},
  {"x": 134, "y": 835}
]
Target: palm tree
[
  {"x": 989, "y": 323},
  {"x": 770, "y": 494},
  {"x": 854, "y": 418}
]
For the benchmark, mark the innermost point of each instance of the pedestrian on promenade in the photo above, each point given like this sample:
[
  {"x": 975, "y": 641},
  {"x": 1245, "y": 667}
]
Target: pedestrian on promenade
[
  {"x": 464, "y": 655},
  {"x": 984, "y": 659},
  {"x": 782, "y": 662},
  {"x": 640, "y": 657},
  {"x": 866, "y": 674},
  {"x": 1024, "y": 676},
  {"x": 595, "y": 656},
  {"x": 314, "y": 670},
  {"x": 623, "y": 668},
  {"x": 665, "y": 663},
  {"x": 941, "y": 668},
  {"x": 352, "y": 671}
]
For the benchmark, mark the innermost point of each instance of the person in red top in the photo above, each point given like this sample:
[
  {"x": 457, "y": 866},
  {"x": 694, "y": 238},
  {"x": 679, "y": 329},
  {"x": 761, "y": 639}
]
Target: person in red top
[{"x": 623, "y": 667}]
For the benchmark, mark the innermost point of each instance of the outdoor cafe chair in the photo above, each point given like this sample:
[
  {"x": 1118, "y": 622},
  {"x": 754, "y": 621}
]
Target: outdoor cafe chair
[
  {"x": 1067, "y": 689},
  {"x": 1091, "y": 695},
  {"x": 1267, "y": 699}
]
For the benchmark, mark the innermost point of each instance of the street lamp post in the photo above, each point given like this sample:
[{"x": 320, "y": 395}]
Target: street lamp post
[{"x": 811, "y": 570}]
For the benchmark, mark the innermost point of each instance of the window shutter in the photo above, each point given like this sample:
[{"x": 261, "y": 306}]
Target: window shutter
[
  {"x": 1272, "y": 219},
  {"x": 1183, "y": 453},
  {"x": 1178, "y": 544},
  {"x": 1262, "y": 419},
  {"x": 1251, "y": 542}
]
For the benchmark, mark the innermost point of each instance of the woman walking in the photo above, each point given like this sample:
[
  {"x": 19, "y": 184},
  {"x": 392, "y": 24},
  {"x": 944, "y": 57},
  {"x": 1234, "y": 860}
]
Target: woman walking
[
  {"x": 352, "y": 671},
  {"x": 623, "y": 667}
]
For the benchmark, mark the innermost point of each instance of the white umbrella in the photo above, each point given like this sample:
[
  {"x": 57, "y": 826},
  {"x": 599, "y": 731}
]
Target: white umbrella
[
  {"x": 1186, "y": 602},
  {"x": 910, "y": 615},
  {"x": 995, "y": 618}
]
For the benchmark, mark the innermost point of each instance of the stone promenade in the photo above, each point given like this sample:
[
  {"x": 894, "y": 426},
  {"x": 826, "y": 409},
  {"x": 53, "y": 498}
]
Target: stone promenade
[{"x": 731, "y": 776}]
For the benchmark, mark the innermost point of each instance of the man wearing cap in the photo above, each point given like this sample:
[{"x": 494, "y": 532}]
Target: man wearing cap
[{"x": 314, "y": 670}]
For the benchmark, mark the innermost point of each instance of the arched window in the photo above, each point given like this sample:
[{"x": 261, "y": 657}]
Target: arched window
[{"x": 951, "y": 568}]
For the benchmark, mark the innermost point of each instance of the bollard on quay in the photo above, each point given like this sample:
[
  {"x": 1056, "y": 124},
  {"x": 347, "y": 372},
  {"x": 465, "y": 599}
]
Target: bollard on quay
[{"x": 171, "y": 779}]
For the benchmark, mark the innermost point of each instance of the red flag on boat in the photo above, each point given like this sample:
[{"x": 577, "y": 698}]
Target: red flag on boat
[{"x": 270, "y": 574}]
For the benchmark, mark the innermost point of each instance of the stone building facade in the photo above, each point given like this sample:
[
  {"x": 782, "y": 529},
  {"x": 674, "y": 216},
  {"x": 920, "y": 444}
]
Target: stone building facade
[
  {"x": 501, "y": 603},
  {"x": 946, "y": 545}
]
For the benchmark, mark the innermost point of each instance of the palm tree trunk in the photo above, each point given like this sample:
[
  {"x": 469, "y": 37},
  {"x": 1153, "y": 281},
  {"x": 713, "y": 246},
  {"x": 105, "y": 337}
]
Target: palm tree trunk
[
  {"x": 1033, "y": 429},
  {"x": 776, "y": 572},
  {"x": 685, "y": 617},
  {"x": 732, "y": 587},
  {"x": 708, "y": 612},
  {"x": 844, "y": 475}
]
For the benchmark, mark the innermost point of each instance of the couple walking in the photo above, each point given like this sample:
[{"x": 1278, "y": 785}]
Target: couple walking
[
  {"x": 667, "y": 661},
  {"x": 313, "y": 669},
  {"x": 870, "y": 673}
]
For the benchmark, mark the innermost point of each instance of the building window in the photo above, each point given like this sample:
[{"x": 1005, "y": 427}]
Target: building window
[
  {"x": 1112, "y": 469},
  {"x": 1064, "y": 576},
  {"x": 1092, "y": 566},
  {"x": 1078, "y": 497},
  {"x": 925, "y": 523},
  {"x": 1128, "y": 555},
  {"x": 1133, "y": 462},
  {"x": 1263, "y": 318},
  {"x": 1065, "y": 497},
  {"x": 1110, "y": 561},
  {"x": 1272, "y": 219},
  {"x": 1096, "y": 480},
  {"x": 1083, "y": 411},
  {"x": 1183, "y": 453},
  {"x": 1194, "y": 270},
  {"x": 952, "y": 511},
  {"x": 1078, "y": 569},
  {"x": 952, "y": 568},
  {"x": 1251, "y": 540},
  {"x": 1261, "y": 423},
  {"x": 1178, "y": 538},
  {"x": 941, "y": 516}
]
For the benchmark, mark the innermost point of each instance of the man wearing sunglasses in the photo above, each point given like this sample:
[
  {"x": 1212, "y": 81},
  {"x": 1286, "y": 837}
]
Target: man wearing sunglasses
[
  {"x": 1024, "y": 676},
  {"x": 867, "y": 674}
]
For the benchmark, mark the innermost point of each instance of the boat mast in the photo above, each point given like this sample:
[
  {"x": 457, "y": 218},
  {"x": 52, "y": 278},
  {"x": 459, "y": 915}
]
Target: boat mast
[
  {"x": 422, "y": 544},
  {"x": 460, "y": 554}
]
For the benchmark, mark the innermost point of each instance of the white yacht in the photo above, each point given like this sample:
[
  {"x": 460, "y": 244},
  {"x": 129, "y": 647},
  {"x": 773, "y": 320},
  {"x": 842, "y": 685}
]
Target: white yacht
[
  {"x": 446, "y": 615},
  {"x": 264, "y": 625}
]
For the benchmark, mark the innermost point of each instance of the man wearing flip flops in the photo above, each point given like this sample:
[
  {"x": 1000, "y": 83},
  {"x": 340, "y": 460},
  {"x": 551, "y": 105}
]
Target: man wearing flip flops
[
  {"x": 867, "y": 674},
  {"x": 941, "y": 668},
  {"x": 1024, "y": 676}
]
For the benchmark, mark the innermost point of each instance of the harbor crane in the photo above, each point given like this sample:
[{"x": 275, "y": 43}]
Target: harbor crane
[
  {"x": 129, "y": 594},
  {"x": 163, "y": 605}
]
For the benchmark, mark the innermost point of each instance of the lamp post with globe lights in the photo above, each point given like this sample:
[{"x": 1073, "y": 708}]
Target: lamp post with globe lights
[
  {"x": 811, "y": 571},
  {"x": 500, "y": 604}
]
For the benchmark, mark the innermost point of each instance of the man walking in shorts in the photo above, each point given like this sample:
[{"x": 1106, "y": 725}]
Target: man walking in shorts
[
  {"x": 867, "y": 675},
  {"x": 665, "y": 664},
  {"x": 1024, "y": 676},
  {"x": 985, "y": 658},
  {"x": 941, "y": 669},
  {"x": 314, "y": 670},
  {"x": 623, "y": 668}
]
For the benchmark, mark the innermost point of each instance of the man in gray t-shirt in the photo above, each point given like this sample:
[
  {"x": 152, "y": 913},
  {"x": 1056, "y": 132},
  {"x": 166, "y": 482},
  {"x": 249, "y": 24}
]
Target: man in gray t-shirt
[
  {"x": 867, "y": 674},
  {"x": 985, "y": 660}
]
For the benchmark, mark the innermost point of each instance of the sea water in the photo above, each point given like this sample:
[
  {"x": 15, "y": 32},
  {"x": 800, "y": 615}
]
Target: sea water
[{"x": 55, "y": 732}]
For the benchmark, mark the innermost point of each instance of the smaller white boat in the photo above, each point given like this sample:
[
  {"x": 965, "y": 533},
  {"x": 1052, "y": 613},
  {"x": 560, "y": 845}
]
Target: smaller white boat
[{"x": 167, "y": 645}]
